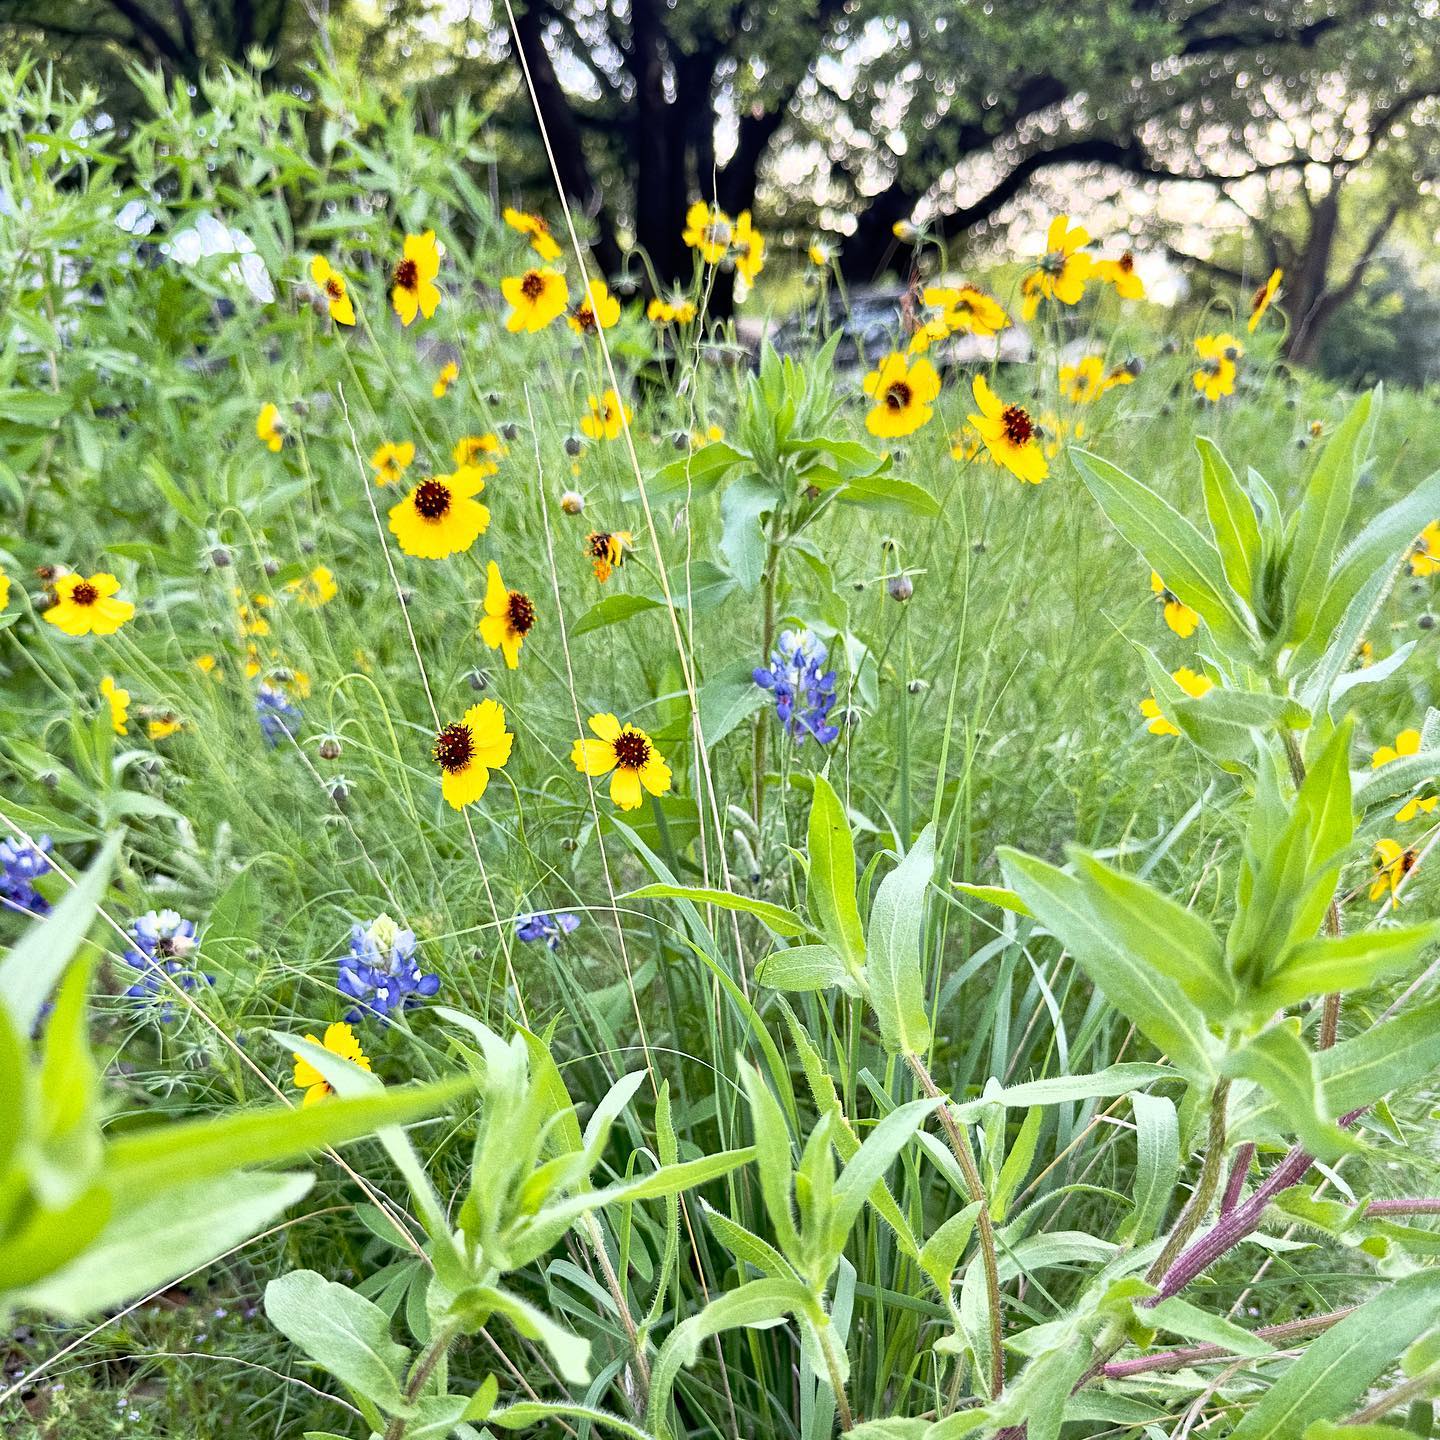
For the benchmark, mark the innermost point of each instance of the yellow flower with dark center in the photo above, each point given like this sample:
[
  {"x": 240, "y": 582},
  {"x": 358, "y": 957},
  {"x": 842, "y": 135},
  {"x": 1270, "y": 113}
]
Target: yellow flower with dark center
[
  {"x": 1084, "y": 381},
  {"x": 1178, "y": 616},
  {"x": 1192, "y": 683},
  {"x": 469, "y": 749},
  {"x": 598, "y": 310},
  {"x": 87, "y": 606},
  {"x": 391, "y": 460},
  {"x": 608, "y": 414},
  {"x": 1425, "y": 552},
  {"x": 1263, "y": 298},
  {"x": 1063, "y": 269},
  {"x": 627, "y": 755},
  {"x": 967, "y": 310},
  {"x": 509, "y": 617},
  {"x": 315, "y": 589},
  {"x": 119, "y": 701},
  {"x": 708, "y": 230},
  {"x": 536, "y": 229},
  {"x": 339, "y": 1040},
  {"x": 1392, "y": 862},
  {"x": 1122, "y": 275},
  {"x": 480, "y": 451},
  {"x": 536, "y": 298},
  {"x": 749, "y": 248},
  {"x": 332, "y": 286},
  {"x": 440, "y": 516},
  {"x": 412, "y": 287},
  {"x": 1215, "y": 377},
  {"x": 162, "y": 727},
  {"x": 1009, "y": 433},
  {"x": 607, "y": 550},
  {"x": 252, "y": 621},
  {"x": 268, "y": 427},
  {"x": 449, "y": 374},
  {"x": 903, "y": 395},
  {"x": 670, "y": 312}
]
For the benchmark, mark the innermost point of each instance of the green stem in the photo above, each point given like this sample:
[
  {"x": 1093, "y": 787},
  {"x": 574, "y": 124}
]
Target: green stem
[
  {"x": 1207, "y": 1187},
  {"x": 832, "y": 1364},
  {"x": 767, "y": 641},
  {"x": 424, "y": 1368}
]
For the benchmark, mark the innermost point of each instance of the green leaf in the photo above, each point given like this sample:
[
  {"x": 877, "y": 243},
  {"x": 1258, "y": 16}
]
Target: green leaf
[
  {"x": 993, "y": 895},
  {"x": 780, "y": 921},
  {"x": 888, "y": 492},
  {"x": 742, "y": 538},
  {"x": 805, "y": 968},
  {"x": 874, "y": 1157},
  {"x": 1159, "y": 1008},
  {"x": 30, "y": 971},
  {"x": 1157, "y": 1162},
  {"x": 528, "y": 1413},
  {"x": 1173, "y": 547},
  {"x": 894, "y": 974},
  {"x": 1338, "y": 1368},
  {"x": 1279, "y": 1062},
  {"x": 830, "y": 888},
  {"x": 697, "y": 473},
  {"x": 342, "y": 1332},
  {"x": 1346, "y": 962},
  {"x": 1063, "y": 1089},
  {"x": 774, "y": 1159},
  {"x": 728, "y": 699},
  {"x": 1232, "y": 519},
  {"x": 612, "y": 610},
  {"x": 941, "y": 1255},
  {"x": 1190, "y": 1322},
  {"x": 570, "y": 1352}
]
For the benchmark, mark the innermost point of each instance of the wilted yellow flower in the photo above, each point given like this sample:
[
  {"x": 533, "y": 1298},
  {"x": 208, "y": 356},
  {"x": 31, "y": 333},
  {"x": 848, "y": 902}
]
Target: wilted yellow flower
[
  {"x": 1392, "y": 863},
  {"x": 1122, "y": 275},
  {"x": 449, "y": 374},
  {"x": 119, "y": 701},
  {"x": 536, "y": 230},
  {"x": 162, "y": 727},
  {"x": 1263, "y": 298},
  {"x": 822, "y": 254},
  {"x": 607, "y": 550}
]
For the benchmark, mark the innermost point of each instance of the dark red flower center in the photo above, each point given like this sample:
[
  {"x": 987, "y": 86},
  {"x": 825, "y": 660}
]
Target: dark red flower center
[
  {"x": 454, "y": 747},
  {"x": 532, "y": 286},
  {"x": 899, "y": 395},
  {"x": 84, "y": 593},
  {"x": 407, "y": 275},
  {"x": 333, "y": 288},
  {"x": 432, "y": 499},
  {"x": 1019, "y": 427},
  {"x": 1258, "y": 299},
  {"x": 632, "y": 750},
  {"x": 520, "y": 612},
  {"x": 600, "y": 544},
  {"x": 1126, "y": 262},
  {"x": 585, "y": 317}
]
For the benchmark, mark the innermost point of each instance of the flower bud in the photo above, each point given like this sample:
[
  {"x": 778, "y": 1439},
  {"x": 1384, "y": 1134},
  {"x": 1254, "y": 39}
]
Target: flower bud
[
  {"x": 572, "y": 502},
  {"x": 901, "y": 587}
]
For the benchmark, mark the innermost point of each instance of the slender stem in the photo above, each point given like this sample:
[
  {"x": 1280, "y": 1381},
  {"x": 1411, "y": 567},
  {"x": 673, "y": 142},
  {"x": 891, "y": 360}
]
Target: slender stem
[
  {"x": 984, "y": 1228},
  {"x": 612, "y": 1284},
  {"x": 424, "y": 1368},
  {"x": 1421, "y": 1205},
  {"x": 767, "y": 641},
  {"x": 1205, "y": 1188},
  {"x": 1417, "y": 1388},
  {"x": 1236, "y": 1183},
  {"x": 832, "y": 1364},
  {"x": 1279, "y": 1335}
]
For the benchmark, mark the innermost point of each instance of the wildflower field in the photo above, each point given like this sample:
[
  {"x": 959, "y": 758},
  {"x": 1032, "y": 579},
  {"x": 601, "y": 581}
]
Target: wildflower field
[{"x": 579, "y": 860}]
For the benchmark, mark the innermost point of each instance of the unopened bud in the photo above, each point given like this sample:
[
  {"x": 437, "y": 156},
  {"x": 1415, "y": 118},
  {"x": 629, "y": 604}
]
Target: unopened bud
[
  {"x": 901, "y": 588},
  {"x": 572, "y": 502}
]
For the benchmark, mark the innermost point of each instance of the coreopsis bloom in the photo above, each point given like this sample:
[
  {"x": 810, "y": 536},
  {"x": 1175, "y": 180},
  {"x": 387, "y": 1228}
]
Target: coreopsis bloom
[
  {"x": 315, "y": 589},
  {"x": 162, "y": 727},
  {"x": 1392, "y": 862},
  {"x": 1084, "y": 381},
  {"x": 627, "y": 755},
  {"x": 967, "y": 310},
  {"x": 1178, "y": 616},
  {"x": 1063, "y": 269},
  {"x": 708, "y": 230},
  {"x": 380, "y": 971},
  {"x": 391, "y": 460},
  {"x": 1425, "y": 552},
  {"x": 607, "y": 550},
  {"x": 161, "y": 944},
  {"x": 1010, "y": 435},
  {"x": 87, "y": 606},
  {"x": 339, "y": 1040},
  {"x": 449, "y": 374},
  {"x": 535, "y": 229},
  {"x": 927, "y": 334},
  {"x": 441, "y": 516},
  {"x": 804, "y": 689},
  {"x": 268, "y": 427},
  {"x": 1215, "y": 376},
  {"x": 903, "y": 395},
  {"x": 412, "y": 287},
  {"x": 670, "y": 312},
  {"x": 1407, "y": 742},
  {"x": 1263, "y": 298},
  {"x": 536, "y": 298},
  {"x": 480, "y": 452},
  {"x": 1122, "y": 275},
  {"x": 822, "y": 254},
  {"x": 509, "y": 617},
  {"x": 468, "y": 750},
  {"x": 21, "y": 864},
  {"x": 551, "y": 927},
  {"x": 119, "y": 702},
  {"x": 608, "y": 413},
  {"x": 748, "y": 246},
  {"x": 1192, "y": 683},
  {"x": 332, "y": 286},
  {"x": 598, "y": 309},
  {"x": 275, "y": 715},
  {"x": 206, "y": 664}
]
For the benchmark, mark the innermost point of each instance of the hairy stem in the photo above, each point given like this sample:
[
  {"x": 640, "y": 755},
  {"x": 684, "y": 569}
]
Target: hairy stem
[
  {"x": 832, "y": 1364},
  {"x": 424, "y": 1368},
  {"x": 612, "y": 1283},
  {"x": 769, "y": 586},
  {"x": 1206, "y": 1187},
  {"x": 1278, "y": 1335}
]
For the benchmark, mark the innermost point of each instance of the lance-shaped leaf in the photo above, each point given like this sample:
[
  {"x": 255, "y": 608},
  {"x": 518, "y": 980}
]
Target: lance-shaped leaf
[
  {"x": 1278, "y": 1061},
  {"x": 1329, "y": 964},
  {"x": 1232, "y": 518},
  {"x": 830, "y": 885},
  {"x": 896, "y": 980}
]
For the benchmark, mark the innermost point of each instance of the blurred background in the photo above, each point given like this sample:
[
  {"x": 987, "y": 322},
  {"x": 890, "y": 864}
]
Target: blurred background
[{"x": 1224, "y": 138}]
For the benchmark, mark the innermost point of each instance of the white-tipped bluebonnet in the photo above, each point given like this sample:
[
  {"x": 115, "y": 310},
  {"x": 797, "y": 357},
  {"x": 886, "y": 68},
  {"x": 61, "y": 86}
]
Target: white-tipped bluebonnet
[
  {"x": 164, "y": 941},
  {"x": 277, "y": 716},
  {"x": 20, "y": 864},
  {"x": 804, "y": 690},
  {"x": 380, "y": 971},
  {"x": 550, "y": 926}
]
